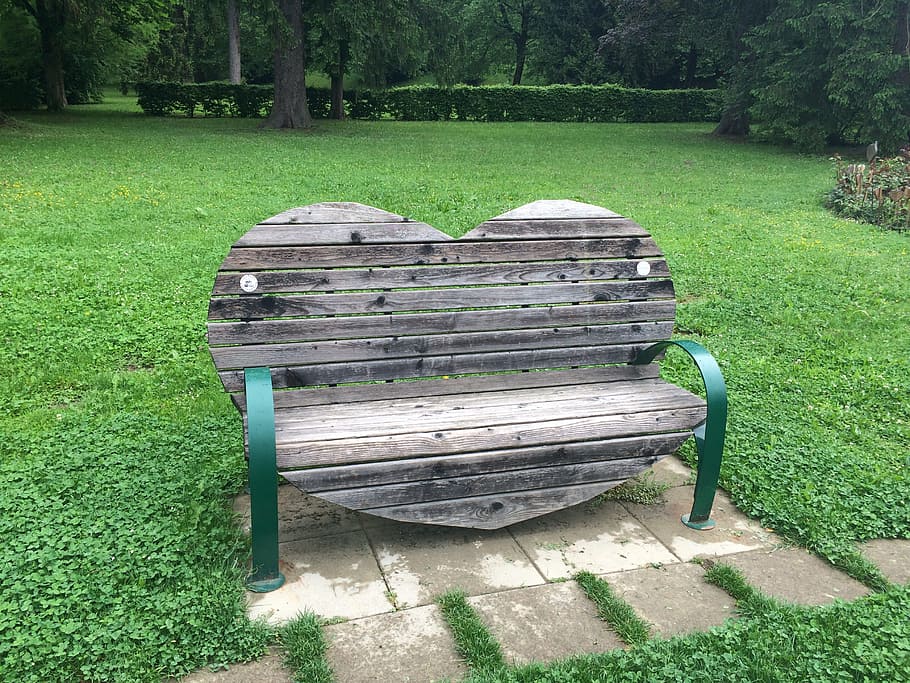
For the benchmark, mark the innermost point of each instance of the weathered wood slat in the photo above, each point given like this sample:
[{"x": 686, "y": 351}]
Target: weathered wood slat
[
  {"x": 360, "y": 393},
  {"x": 315, "y": 480},
  {"x": 260, "y": 307},
  {"x": 554, "y": 209},
  {"x": 337, "y": 280},
  {"x": 334, "y": 212},
  {"x": 432, "y": 366},
  {"x": 486, "y": 483},
  {"x": 372, "y": 255},
  {"x": 273, "y": 355},
  {"x": 494, "y": 511},
  {"x": 591, "y": 228},
  {"x": 273, "y": 331},
  {"x": 327, "y": 425},
  {"x": 432, "y": 443},
  {"x": 270, "y": 235}
]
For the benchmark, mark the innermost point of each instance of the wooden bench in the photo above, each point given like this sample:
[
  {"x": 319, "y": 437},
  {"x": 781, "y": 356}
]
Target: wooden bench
[{"x": 387, "y": 367}]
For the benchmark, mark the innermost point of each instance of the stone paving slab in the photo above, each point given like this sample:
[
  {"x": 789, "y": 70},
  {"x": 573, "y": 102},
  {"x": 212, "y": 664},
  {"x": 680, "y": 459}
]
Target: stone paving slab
[
  {"x": 598, "y": 539},
  {"x": 546, "y": 622},
  {"x": 268, "y": 669},
  {"x": 422, "y": 562},
  {"x": 892, "y": 556},
  {"x": 411, "y": 646},
  {"x": 301, "y": 515},
  {"x": 673, "y": 598},
  {"x": 333, "y": 576},
  {"x": 734, "y": 533},
  {"x": 673, "y": 472},
  {"x": 796, "y": 575}
]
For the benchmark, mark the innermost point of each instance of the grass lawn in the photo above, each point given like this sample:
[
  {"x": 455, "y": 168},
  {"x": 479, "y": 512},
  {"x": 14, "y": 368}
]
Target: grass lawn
[{"x": 120, "y": 561}]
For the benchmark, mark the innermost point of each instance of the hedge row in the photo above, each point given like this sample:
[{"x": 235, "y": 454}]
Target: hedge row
[{"x": 604, "y": 103}]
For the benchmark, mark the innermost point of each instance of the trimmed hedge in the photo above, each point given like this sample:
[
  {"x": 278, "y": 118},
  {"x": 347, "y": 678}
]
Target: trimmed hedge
[{"x": 603, "y": 103}]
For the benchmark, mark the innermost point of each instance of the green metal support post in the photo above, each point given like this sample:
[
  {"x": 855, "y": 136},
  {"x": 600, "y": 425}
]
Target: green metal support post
[
  {"x": 263, "y": 470},
  {"x": 709, "y": 435}
]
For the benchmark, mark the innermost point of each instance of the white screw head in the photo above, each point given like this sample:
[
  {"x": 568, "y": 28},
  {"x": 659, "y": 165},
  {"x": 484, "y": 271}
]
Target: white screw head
[
  {"x": 643, "y": 268},
  {"x": 249, "y": 283}
]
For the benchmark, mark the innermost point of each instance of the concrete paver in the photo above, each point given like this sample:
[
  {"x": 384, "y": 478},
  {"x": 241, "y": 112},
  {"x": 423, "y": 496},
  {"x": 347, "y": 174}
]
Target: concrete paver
[
  {"x": 301, "y": 515},
  {"x": 674, "y": 598},
  {"x": 333, "y": 576},
  {"x": 795, "y": 575},
  {"x": 422, "y": 562},
  {"x": 268, "y": 669},
  {"x": 604, "y": 539},
  {"x": 734, "y": 533},
  {"x": 410, "y": 646},
  {"x": 545, "y": 622},
  {"x": 672, "y": 471},
  {"x": 892, "y": 556}
]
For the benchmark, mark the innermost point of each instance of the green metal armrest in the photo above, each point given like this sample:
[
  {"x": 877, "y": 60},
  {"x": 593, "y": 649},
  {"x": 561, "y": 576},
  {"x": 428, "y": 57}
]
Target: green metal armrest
[
  {"x": 709, "y": 435},
  {"x": 260, "y": 413}
]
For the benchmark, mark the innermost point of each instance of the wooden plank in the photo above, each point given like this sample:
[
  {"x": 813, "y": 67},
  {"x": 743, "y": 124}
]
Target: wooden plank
[
  {"x": 310, "y": 353},
  {"x": 544, "y": 209},
  {"x": 494, "y": 511},
  {"x": 260, "y": 307},
  {"x": 372, "y": 255},
  {"x": 486, "y": 483},
  {"x": 329, "y": 422},
  {"x": 540, "y": 433},
  {"x": 274, "y": 331},
  {"x": 432, "y": 366},
  {"x": 361, "y": 393},
  {"x": 334, "y": 212},
  {"x": 274, "y": 235},
  {"x": 591, "y": 228},
  {"x": 411, "y": 277},
  {"x": 318, "y": 479}
]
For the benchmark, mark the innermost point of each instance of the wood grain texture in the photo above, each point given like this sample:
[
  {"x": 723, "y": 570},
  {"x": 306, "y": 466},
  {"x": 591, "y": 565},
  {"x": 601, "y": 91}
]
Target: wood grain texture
[
  {"x": 494, "y": 511},
  {"x": 374, "y": 255},
  {"x": 349, "y": 350},
  {"x": 649, "y": 447},
  {"x": 433, "y": 442},
  {"x": 437, "y": 366},
  {"x": 360, "y": 393},
  {"x": 485, "y": 483},
  {"x": 273, "y": 235},
  {"x": 591, "y": 228},
  {"x": 334, "y": 212},
  {"x": 550, "y": 209},
  {"x": 261, "y": 307},
  {"x": 414, "y": 277},
  {"x": 402, "y": 324}
]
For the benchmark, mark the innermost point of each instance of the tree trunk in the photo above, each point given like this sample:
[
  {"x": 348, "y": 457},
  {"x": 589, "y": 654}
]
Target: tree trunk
[
  {"x": 691, "y": 66},
  {"x": 337, "y": 111},
  {"x": 290, "y": 108},
  {"x": 233, "y": 24},
  {"x": 521, "y": 45},
  {"x": 734, "y": 121},
  {"x": 51, "y": 19}
]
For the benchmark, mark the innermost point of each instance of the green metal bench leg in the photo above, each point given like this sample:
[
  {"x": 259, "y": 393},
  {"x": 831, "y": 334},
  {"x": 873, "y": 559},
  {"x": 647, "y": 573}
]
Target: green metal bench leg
[
  {"x": 709, "y": 436},
  {"x": 260, "y": 411}
]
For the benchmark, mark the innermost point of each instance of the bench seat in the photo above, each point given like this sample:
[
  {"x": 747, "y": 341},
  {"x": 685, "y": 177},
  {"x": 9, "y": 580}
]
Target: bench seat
[{"x": 484, "y": 458}]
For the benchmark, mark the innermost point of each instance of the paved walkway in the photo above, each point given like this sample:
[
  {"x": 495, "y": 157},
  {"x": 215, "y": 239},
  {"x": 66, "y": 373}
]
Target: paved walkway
[{"x": 382, "y": 578}]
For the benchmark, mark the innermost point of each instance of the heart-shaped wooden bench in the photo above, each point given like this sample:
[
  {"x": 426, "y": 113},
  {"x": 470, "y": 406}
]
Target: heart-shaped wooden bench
[{"x": 387, "y": 367}]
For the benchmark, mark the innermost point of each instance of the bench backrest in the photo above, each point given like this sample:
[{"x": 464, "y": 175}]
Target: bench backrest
[{"x": 340, "y": 293}]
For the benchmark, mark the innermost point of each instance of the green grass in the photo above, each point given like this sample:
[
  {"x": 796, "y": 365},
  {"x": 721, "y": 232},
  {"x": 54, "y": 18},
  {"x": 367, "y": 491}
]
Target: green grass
[
  {"x": 616, "y": 612},
  {"x": 120, "y": 562},
  {"x": 473, "y": 640},
  {"x": 306, "y": 647}
]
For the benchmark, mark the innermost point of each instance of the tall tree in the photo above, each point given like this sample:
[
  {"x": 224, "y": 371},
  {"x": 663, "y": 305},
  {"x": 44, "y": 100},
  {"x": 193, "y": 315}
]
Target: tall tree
[
  {"x": 517, "y": 21},
  {"x": 233, "y": 31},
  {"x": 289, "y": 109},
  {"x": 55, "y": 18}
]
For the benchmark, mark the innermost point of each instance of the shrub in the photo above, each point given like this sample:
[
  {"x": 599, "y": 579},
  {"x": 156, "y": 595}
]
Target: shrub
[
  {"x": 604, "y": 103},
  {"x": 878, "y": 192}
]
